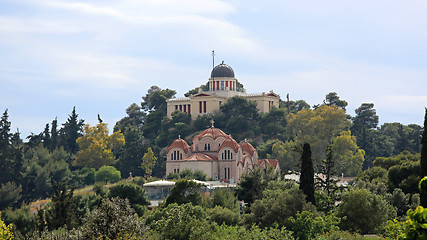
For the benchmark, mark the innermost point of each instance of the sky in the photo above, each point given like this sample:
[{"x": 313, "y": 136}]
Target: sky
[{"x": 103, "y": 55}]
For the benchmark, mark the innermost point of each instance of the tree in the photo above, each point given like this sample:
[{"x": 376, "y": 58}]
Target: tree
[
  {"x": 274, "y": 122},
  {"x": 333, "y": 99},
  {"x": 135, "y": 118},
  {"x": 9, "y": 193},
  {"x": 155, "y": 99},
  {"x": 11, "y": 153},
  {"x": 112, "y": 218},
  {"x": 71, "y": 130},
  {"x": 204, "y": 87},
  {"x": 328, "y": 184},
  {"x": 254, "y": 182},
  {"x": 348, "y": 156},
  {"x": 97, "y": 147},
  {"x": 148, "y": 162},
  {"x": 132, "y": 153},
  {"x": 61, "y": 211},
  {"x": 318, "y": 127},
  {"x": 366, "y": 116},
  {"x": 185, "y": 191},
  {"x": 423, "y": 162},
  {"x": 307, "y": 174},
  {"x": 54, "y": 135},
  {"x": 6, "y": 231},
  {"x": 280, "y": 201},
  {"x": 239, "y": 113},
  {"x": 364, "y": 212},
  {"x": 107, "y": 174},
  {"x": 133, "y": 192}
]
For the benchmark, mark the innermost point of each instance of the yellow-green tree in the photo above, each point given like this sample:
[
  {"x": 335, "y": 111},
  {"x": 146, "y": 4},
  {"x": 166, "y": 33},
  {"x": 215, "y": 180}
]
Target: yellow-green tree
[
  {"x": 286, "y": 153},
  {"x": 97, "y": 146},
  {"x": 348, "y": 157},
  {"x": 317, "y": 127},
  {"x": 5, "y": 230},
  {"x": 148, "y": 162}
]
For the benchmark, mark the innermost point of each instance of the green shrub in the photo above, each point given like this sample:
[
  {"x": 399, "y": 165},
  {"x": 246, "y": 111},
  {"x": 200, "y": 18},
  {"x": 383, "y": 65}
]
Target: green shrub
[{"x": 107, "y": 174}]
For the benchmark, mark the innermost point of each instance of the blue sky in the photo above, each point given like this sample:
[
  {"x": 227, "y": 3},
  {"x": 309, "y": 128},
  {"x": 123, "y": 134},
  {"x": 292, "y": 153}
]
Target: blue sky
[{"x": 101, "y": 56}]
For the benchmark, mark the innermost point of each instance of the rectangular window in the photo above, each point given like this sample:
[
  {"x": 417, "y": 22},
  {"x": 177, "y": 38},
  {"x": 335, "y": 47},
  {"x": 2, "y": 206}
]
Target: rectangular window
[
  {"x": 185, "y": 108},
  {"x": 217, "y": 85},
  {"x": 189, "y": 109},
  {"x": 222, "y": 85},
  {"x": 200, "y": 107},
  {"x": 220, "y": 102},
  {"x": 180, "y": 107},
  {"x": 228, "y": 173},
  {"x": 204, "y": 106},
  {"x": 225, "y": 173},
  {"x": 176, "y": 107},
  {"x": 226, "y": 84}
]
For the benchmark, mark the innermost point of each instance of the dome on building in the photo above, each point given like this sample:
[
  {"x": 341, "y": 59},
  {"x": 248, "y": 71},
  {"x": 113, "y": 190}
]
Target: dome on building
[
  {"x": 212, "y": 132},
  {"x": 222, "y": 70},
  {"x": 179, "y": 143}
]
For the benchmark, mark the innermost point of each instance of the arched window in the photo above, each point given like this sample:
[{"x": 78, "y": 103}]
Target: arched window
[
  {"x": 231, "y": 156},
  {"x": 206, "y": 147},
  {"x": 180, "y": 156},
  {"x": 171, "y": 156},
  {"x": 209, "y": 146},
  {"x": 222, "y": 156}
]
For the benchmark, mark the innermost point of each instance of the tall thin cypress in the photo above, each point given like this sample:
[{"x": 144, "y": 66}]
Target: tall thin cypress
[
  {"x": 423, "y": 163},
  {"x": 307, "y": 173}
]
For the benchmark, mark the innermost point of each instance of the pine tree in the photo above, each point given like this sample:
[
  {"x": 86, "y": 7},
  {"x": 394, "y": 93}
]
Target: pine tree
[
  {"x": 72, "y": 130},
  {"x": 54, "y": 135},
  {"x": 423, "y": 163},
  {"x": 62, "y": 211},
  {"x": 328, "y": 184},
  {"x": 307, "y": 173}
]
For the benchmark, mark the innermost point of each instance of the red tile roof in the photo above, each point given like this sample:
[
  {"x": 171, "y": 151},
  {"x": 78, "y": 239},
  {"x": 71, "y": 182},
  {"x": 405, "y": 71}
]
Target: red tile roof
[
  {"x": 271, "y": 162},
  {"x": 229, "y": 142},
  {"x": 211, "y": 132},
  {"x": 180, "y": 143},
  {"x": 248, "y": 147}
]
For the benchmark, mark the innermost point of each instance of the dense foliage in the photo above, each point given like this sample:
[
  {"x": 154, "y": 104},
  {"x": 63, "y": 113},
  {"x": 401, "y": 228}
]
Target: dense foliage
[{"x": 385, "y": 161}]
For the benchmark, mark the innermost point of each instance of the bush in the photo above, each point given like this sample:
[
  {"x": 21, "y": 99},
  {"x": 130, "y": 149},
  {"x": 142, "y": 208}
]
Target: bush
[
  {"x": 107, "y": 174},
  {"x": 185, "y": 191},
  {"x": 111, "y": 218},
  {"x": 364, "y": 212},
  {"x": 223, "y": 216},
  {"x": 134, "y": 193}
]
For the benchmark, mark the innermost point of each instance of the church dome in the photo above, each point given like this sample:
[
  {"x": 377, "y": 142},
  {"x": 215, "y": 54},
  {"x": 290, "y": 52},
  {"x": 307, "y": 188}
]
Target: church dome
[{"x": 222, "y": 70}]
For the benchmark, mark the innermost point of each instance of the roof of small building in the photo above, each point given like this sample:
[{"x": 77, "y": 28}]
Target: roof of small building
[
  {"x": 246, "y": 146},
  {"x": 271, "y": 162},
  {"x": 222, "y": 70},
  {"x": 180, "y": 143},
  {"x": 200, "y": 157}
]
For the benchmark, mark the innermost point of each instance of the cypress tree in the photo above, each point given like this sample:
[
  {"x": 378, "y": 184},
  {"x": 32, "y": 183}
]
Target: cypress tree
[
  {"x": 423, "y": 163},
  {"x": 307, "y": 173}
]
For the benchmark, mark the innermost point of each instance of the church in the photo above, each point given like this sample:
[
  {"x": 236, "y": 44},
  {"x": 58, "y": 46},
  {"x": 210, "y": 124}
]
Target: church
[
  {"x": 217, "y": 154},
  {"x": 222, "y": 86}
]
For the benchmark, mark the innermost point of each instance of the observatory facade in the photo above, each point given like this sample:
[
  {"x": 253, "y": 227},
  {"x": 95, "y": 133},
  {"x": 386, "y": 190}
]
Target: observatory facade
[{"x": 222, "y": 86}]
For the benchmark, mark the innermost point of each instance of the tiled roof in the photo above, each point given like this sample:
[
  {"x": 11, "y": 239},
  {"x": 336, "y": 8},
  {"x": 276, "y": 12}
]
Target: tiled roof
[
  {"x": 200, "y": 157},
  {"x": 211, "y": 132},
  {"x": 271, "y": 162},
  {"x": 180, "y": 143},
  {"x": 248, "y": 147},
  {"x": 229, "y": 142}
]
